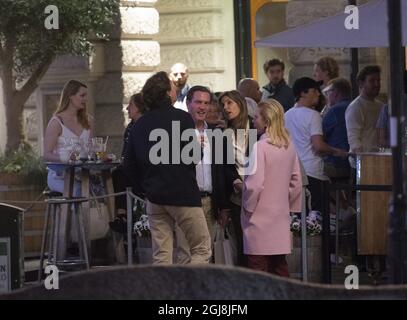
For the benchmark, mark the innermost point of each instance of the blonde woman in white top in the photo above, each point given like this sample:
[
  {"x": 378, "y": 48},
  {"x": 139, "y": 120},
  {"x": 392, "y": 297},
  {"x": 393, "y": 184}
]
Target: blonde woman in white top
[{"x": 70, "y": 123}]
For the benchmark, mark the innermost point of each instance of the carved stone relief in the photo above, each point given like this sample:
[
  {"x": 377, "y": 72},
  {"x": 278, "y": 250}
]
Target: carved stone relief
[
  {"x": 133, "y": 83},
  {"x": 301, "y": 12},
  {"x": 138, "y": 3},
  {"x": 190, "y": 26},
  {"x": 201, "y": 57},
  {"x": 139, "y": 21},
  {"x": 310, "y": 55},
  {"x": 140, "y": 53},
  {"x": 177, "y": 4}
]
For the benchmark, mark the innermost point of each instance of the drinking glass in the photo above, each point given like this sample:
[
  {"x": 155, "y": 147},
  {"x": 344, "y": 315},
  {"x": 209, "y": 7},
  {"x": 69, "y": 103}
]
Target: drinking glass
[{"x": 99, "y": 148}]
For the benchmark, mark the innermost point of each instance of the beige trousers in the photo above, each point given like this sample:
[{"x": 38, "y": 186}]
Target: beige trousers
[
  {"x": 191, "y": 221},
  {"x": 183, "y": 251}
]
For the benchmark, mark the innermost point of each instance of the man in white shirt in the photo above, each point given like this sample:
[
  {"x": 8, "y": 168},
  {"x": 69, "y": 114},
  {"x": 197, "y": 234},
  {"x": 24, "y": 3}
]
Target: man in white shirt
[
  {"x": 179, "y": 76},
  {"x": 210, "y": 175},
  {"x": 362, "y": 113},
  {"x": 305, "y": 127}
]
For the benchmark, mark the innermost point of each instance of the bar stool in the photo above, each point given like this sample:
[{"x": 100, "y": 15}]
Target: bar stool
[{"x": 52, "y": 231}]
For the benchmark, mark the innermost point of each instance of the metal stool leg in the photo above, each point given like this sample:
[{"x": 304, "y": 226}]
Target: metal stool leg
[
  {"x": 337, "y": 228},
  {"x": 44, "y": 241},
  {"x": 51, "y": 253},
  {"x": 57, "y": 213},
  {"x": 82, "y": 240}
]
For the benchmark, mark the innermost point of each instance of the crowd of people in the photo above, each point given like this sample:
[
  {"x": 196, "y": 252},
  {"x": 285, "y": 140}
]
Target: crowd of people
[{"x": 301, "y": 132}]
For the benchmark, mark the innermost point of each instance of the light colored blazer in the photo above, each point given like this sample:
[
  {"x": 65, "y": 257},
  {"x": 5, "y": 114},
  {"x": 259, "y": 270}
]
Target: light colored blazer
[{"x": 270, "y": 193}]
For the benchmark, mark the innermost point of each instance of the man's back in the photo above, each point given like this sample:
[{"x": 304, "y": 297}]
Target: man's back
[
  {"x": 172, "y": 182},
  {"x": 335, "y": 133}
]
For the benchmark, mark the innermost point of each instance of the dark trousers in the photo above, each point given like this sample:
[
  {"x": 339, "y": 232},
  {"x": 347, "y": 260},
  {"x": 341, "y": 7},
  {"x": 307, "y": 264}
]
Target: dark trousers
[
  {"x": 120, "y": 183},
  {"x": 315, "y": 186},
  {"x": 275, "y": 264},
  {"x": 237, "y": 226}
]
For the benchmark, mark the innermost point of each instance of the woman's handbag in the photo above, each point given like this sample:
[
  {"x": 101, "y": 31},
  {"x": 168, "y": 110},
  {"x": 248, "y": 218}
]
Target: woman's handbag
[
  {"x": 96, "y": 221},
  {"x": 224, "y": 250}
]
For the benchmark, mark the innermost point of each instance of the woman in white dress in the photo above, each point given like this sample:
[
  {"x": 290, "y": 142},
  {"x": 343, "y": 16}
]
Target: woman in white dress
[{"x": 70, "y": 125}]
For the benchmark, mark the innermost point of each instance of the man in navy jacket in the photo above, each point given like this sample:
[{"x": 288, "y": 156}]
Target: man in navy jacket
[{"x": 159, "y": 160}]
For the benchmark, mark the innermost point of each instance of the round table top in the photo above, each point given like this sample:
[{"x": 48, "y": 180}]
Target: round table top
[{"x": 90, "y": 165}]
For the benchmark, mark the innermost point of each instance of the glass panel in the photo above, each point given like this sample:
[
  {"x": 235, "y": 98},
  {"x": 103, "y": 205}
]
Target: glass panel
[{"x": 270, "y": 19}]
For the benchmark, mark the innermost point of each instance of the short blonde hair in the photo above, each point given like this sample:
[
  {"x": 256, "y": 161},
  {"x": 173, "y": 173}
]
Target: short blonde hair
[{"x": 273, "y": 114}]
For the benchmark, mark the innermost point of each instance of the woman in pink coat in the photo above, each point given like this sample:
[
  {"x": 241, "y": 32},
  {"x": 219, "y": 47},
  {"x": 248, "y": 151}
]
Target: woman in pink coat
[{"x": 271, "y": 191}]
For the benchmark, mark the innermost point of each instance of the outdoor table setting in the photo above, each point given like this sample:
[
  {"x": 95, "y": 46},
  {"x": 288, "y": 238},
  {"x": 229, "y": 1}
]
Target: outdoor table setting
[{"x": 77, "y": 166}]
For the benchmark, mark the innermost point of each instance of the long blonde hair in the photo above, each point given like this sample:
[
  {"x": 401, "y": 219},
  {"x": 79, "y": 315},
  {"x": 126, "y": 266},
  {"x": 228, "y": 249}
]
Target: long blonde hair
[
  {"x": 70, "y": 89},
  {"x": 273, "y": 114}
]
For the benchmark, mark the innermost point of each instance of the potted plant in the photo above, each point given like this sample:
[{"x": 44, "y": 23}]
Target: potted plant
[
  {"x": 23, "y": 165},
  {"x": 142, "y": 230},
  {"x": 314, "y": 243}
]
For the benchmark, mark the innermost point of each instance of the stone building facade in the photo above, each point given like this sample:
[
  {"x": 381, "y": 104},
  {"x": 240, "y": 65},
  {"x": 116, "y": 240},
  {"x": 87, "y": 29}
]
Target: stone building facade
[{"x": 151, "y": 35}]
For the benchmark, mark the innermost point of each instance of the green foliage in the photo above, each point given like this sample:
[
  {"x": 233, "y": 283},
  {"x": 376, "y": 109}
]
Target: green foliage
[
  {"x": 25, "y": 162},
  {"x": 22, "y": 28}
]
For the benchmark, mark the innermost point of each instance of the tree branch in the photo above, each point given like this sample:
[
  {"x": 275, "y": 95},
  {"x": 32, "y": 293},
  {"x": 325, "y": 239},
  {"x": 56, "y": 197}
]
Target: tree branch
[
  {"x": 24, "y": 93},
  {"x": 1, "y": 54}
]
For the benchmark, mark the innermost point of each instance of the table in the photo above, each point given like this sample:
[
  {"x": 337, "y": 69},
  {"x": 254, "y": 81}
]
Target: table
[{"x": 83, "y": 169}]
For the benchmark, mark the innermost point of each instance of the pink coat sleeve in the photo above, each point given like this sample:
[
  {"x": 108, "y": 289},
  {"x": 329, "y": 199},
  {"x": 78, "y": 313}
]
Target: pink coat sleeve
[
  {"x": 254, "y": 181},
  {"x": 295, "y": 187}
]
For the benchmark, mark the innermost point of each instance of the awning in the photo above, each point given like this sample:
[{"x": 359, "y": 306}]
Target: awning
[{"x": 330, "y": 32}]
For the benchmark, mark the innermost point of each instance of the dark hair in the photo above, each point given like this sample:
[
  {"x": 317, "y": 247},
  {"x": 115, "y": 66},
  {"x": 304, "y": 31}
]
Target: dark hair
[
  {"x": 241, "y": 121},
  {"x": 271, "y": 63},
  {"x": 303, "y": 85},
  {"x": 367, "y": 71},
  {"x": 342, "y": 86},
  {"x": 155, "y": 91},
  {"x": 137, "y": 99},
  {"x": 191, "y": 92}
]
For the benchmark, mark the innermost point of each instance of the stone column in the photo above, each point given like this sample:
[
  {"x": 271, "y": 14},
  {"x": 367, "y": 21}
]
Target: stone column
[{"x": 130, "y": 57}]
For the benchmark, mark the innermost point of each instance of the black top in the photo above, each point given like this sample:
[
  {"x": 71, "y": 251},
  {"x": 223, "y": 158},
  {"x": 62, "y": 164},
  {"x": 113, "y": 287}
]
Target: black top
[
  {"x": 220, "y": 190},
  {"x": 282, "y": 93},
  {"x": 164, "y": 184},
  {"x": 126, "y": 137}
]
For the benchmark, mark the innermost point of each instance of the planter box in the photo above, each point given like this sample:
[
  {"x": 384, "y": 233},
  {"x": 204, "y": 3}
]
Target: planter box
[
  {"x": 314, "y": 252},
  {"x": 144, "y": 250}
]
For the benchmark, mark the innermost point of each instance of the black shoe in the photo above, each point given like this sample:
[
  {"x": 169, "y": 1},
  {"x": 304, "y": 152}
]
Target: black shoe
[{"x": 119, "y": 224}]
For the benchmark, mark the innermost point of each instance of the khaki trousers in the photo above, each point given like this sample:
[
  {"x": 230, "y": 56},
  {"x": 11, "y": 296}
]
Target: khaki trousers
[
  {"x": 191, "y": 221},
  {"x": 183, "y": 251}
]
